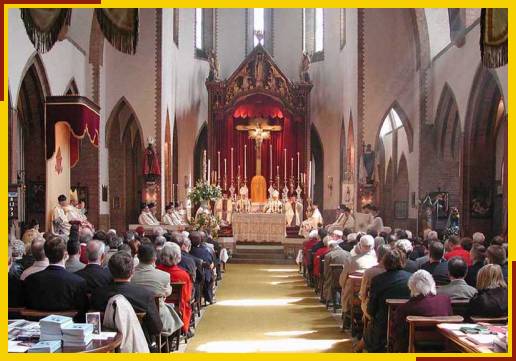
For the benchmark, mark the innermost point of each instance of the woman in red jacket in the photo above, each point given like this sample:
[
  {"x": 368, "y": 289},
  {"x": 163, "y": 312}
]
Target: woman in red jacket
[{"x": 170, "y": 257}]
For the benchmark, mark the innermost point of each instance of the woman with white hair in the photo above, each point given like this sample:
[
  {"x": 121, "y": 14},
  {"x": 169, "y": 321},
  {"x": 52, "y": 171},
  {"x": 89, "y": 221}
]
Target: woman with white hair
[
  {"x": 424, "y": 301},
  {"x": 170, "y": 257}
]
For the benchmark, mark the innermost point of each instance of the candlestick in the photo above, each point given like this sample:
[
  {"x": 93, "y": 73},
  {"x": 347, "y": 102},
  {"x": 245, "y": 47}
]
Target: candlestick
[
  {"x": 292, "y": 166},
  {"x": 310, "y": 180},
  {"x": 209, "y": 164},
  {"x": 225, "y": 168},
  {"x": 270, "y": 156},
  {"x": 245, "y": 162},
  {"x": 285, "y": 156},
  {"x": 173, "y": 192},
  {"x": 218, "y": 164},
  {"x": 204, "y": 175},
  {"x": 298, "y": 167},
  {"x": 277, "y": 170},
  {"x": 231, "y": 164}
]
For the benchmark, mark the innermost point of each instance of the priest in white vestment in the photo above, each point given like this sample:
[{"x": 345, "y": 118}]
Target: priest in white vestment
[
  {"x": 171, "y": 217},
  {"x": 76, "y": 213},
  {"x": 60, "y": 222},
  {"x": 293, "y": 212},
  {"x": 345, "y": 220},
  {"x": 146, "y": 217},
  {"x": 273, "y": 205},
  {"x": 377, "y": 222},
  {"x": 312, "y": 222},
  {"x": 243, "y": 204}
]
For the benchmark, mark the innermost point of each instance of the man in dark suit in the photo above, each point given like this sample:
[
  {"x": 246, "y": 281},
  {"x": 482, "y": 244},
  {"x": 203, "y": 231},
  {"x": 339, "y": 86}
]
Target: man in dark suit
[
  {"x": 390, "y": 284},
  {"x": 54, "y": 288},
  {"x": 437, "y": 266},
  {"x": 121, "y": 268},
  {"x": 94, "y": 274},
  {"x": 15, "y": 290},
  {"x": 199, "y": 251}
]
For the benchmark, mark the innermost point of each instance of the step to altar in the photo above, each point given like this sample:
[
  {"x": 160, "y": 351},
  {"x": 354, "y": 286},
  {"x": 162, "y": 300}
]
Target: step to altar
[{"x": 284, "y": 253}]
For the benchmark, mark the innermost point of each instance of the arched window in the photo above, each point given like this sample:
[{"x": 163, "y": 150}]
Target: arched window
[
  {"x": 313, "y": 33},
  {"x": 204, "y": 32},
  {"x": 391, "y": 122},
  {"x": 259, "y": 29}
]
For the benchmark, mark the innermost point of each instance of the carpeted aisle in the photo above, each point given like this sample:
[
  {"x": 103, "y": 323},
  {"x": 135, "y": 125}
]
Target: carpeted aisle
[{"x": 267, "y": 308}]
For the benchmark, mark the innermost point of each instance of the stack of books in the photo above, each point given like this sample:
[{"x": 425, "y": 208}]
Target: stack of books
[
  {"x": 51, "y": 327},
  {"x": 77, "y": 335},
  {"x": 45, "y": 346}
]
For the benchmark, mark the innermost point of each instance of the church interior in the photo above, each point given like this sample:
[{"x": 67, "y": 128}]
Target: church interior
[{"x": 258, "y": 180}]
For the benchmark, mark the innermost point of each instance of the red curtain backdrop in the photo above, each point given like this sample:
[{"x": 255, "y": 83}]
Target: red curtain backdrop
[
  {"x": 290, "y": 137},
  {"x": 81, "y": 116}
]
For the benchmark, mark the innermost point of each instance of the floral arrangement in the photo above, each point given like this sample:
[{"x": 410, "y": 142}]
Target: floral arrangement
[
  {"x": 204, "y": 192},
  {"x": 206, "y": 222}
]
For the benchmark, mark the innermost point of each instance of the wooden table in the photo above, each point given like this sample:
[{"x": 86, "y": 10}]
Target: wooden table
[
  {"x": 259, "y": 227},
  {"x": 461, "y": 343}
]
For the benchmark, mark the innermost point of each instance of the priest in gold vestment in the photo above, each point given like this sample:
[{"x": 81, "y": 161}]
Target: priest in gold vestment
[{"x": 224, "y": 209}]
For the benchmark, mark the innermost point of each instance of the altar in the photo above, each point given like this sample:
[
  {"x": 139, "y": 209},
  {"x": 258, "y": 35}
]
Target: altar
[{"x": 259, "y": 227}]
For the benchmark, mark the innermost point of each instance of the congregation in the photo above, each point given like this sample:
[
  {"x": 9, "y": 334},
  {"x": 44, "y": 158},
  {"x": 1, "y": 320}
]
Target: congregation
[
  {"x": 80, "y": 273},
  {"x": 361, "y": 272}
]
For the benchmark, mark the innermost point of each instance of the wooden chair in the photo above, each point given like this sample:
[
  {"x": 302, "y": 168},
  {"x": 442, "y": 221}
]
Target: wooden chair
[
  {"x": 175, "y": 298},
  {"x": 310, "y": 273},
  {"x": 355, "y": 307},
  {"x": 161, "y": 338},
  {"x": 423, "y": 331},
  {"x": 322, "y": 278},
  {"x": 36, "y": 315},
  {"x": 392, "y": 304},
  {"x": 494, "y": 320},
  {"x": 336, "y": 270}
]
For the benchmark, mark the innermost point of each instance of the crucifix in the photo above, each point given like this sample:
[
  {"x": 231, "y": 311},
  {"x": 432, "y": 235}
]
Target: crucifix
[{"x": 259, "y": 130}]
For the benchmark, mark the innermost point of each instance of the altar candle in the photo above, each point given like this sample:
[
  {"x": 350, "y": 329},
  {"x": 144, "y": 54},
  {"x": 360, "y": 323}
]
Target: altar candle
[
  {"x": 270, "y": 155},
  {"x": 225, "y": 168},
  {"x": 292, "y": 166},
  {"x": 298, "y": 166},
  {"x": 310, "y": 179},
  {"x": 231, "y": 164},
  {"x": 204, "y": 174},
  {"x": 277, "y": 170},
  {"x": 190, "y": 180},
  {"x": 285, "y": 156},
  {"x": 238, "y": 172},
  {"x": 209, "y": 164},
  {"x": 245, "y": 161},
  {"x": 218, "y": 163}
]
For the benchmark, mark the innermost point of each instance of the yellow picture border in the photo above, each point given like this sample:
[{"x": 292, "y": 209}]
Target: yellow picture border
[{"x": 249, "y": 4}]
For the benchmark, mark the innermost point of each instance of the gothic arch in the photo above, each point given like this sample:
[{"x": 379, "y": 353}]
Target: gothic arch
[
  {"x": 124, "y": 139},
  {"x": 175, "y": 159},
  {"x": 404, "y": 120},
  {"x": 168, "y": 161},
  {"x": 317, "y": 158},
  {"x": 486, "y": 111},
  {"x": 447, "y": 129},
  {"x": 201, "y": 144},
  {"x": 342, "y": 157}
]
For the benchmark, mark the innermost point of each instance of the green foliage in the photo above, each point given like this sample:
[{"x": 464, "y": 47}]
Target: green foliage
[{"x": 205, "y": 192}]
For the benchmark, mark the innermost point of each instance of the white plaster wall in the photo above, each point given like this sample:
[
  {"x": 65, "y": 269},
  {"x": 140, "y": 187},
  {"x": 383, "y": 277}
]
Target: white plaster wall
[
  {"x": 62, "y": 63},
  {"x": 458, "y": 67},
  {"x": 438, "y": 29},
  {"x": 230, "y": 39}
]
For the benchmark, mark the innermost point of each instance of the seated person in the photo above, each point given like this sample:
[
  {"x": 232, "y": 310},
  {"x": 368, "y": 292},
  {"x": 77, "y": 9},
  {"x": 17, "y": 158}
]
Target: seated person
[
  {"x": 18, "y": 252},
  {"x": 368, "y": 276},
  {"x": 338, "y": 256},
  {"x": 54, "y": 288},
  {"x": 491, "y": 299},
  {"x": 478, "y": 258},
  {"x": 60, "y": 221},
  {"x": 243, "y": 204},
  {"x": 169, "y": 259},
  {"x": 321, "y": 252},
  {"x": 344, "y": 220},
  {"x": 76, "y": 213},
  {"x": 424, "y": 301},
  {"x": 94, "y": 274},
  {"x": 457, "y": 250},
  {"x": 406, "y": 246},
  {"x": 14, "y": 286},
  {"x": 313, "y": 239},
  {"x": 223, "y": 209},
  {"x": 390, "y": 284},
  {"x": 121, "y": 268},
  {"x": 457, "y": 289},
  {"x": 73, "y": 264},
  {"x": 171, "y": 217},
  {"x": 437, "y": 266},
  {"x": 146, "y": 217},
  {"x": 293, "y": 212},
  {"x": 314, "y": 221},
  {"x": 31, "y": 233},
  {"x": 496, "y": 255},
  {"x": 198, "y": 250},
  {"x": 158, "y": 282},
  {"x": 40, "y": 259}
]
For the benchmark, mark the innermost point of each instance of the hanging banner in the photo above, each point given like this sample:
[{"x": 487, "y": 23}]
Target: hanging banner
[
  {"x": 43, "y": 26},
  {"x": 120, "y": 27},
  {"x": 494, "y": 37}
]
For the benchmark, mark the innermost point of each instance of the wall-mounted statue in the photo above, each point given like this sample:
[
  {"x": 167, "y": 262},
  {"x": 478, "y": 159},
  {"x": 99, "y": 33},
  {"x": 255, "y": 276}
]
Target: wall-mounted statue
[
  {"x": 304, "y": 75},
  {"x": 151, "y": 169},
  {"x": 214, "y": 66}
]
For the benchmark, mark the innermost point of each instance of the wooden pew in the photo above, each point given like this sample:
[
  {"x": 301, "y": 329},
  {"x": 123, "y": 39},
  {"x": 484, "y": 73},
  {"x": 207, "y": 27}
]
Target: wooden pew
[
  {"x": 175, "y": 298},
  {"x": 355, "y": 307},
  {"x": 336, "y": 270},
  {"x": 494, "y": 320},
  {"x": 423, "y": 329}
]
